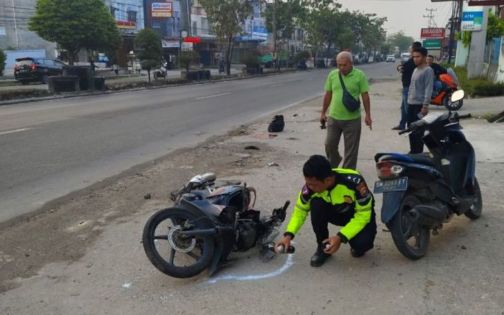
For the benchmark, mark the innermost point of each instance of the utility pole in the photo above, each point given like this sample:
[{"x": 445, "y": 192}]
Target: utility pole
[
  {"x": 477, "y": 49},
  {"x": 185, "y": 15},
  {"x": 15, "y": 24},
  {"x": 430, "y": 16},
  {"x": 454, "y": 25},
  {"x": 277, "y": 64}
]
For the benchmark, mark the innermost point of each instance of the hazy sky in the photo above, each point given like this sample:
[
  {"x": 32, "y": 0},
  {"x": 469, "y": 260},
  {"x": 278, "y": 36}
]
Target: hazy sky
[{"x": 405, "y": 15}]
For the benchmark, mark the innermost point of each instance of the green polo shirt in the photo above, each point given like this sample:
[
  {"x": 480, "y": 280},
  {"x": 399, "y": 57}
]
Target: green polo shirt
[{"x": 356, "y": 83}]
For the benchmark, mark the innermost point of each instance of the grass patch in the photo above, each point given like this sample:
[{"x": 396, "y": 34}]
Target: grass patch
[{"x": 478, "y": 86}]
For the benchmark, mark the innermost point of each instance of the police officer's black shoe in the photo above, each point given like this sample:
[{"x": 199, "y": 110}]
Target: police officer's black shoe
[
  {"x": 356, "y": 253},
  {"x": 319, "y": 258}
]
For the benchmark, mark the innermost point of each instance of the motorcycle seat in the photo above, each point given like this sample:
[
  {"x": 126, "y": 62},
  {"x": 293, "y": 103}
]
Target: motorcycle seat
[{"x": 422, "y": 158}]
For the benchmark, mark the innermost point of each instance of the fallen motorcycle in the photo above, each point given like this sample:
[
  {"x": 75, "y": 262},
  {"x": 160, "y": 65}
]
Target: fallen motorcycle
[{"x": 206, "y": 224}]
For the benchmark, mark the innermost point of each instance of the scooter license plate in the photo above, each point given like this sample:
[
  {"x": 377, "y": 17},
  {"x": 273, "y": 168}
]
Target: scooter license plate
[{"x": 398, "y": 184}]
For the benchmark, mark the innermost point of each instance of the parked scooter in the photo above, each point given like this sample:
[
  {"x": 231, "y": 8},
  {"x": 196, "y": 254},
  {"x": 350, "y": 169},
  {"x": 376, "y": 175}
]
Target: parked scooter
[
  {"x": 423, "y": 191},
  {"x": 443, "y": 96}
]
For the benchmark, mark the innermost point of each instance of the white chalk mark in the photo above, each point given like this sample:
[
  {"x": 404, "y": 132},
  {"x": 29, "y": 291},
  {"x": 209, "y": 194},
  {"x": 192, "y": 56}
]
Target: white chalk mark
[
  {"x": 288, "y": 263},
  {"x": 13, "y": 131},
  {"x": 127, "y": 285},
  {"x": 211, "y": 96}
]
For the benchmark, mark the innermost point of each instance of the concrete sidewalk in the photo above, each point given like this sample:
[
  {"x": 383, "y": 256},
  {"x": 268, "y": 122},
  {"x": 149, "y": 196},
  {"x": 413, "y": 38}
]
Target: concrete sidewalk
[{"x": 83, "y": 254}]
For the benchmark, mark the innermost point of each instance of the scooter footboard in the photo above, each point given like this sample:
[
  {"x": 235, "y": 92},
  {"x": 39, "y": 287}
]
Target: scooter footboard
[{"x": 391, "y": 204}]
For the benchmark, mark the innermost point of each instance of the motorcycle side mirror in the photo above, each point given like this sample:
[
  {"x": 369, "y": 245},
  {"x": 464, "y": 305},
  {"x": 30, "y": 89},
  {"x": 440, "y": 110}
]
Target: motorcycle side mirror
[{"x": 457, "y": 96}]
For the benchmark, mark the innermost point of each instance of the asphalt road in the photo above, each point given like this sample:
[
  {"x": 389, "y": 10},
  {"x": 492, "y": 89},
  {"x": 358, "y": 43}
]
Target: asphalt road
[
  {"x": 85, "y": 256},
  {"x": 51, "y": 148}
]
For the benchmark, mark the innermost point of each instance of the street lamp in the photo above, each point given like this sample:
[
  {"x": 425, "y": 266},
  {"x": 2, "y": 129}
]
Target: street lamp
[
  {"x": 131, "y": 56},
  {"x": 183, "y": 34}
]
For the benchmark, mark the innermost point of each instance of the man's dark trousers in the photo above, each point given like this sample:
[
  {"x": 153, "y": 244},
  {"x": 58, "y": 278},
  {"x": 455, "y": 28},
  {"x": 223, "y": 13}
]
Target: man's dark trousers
[
  {"x": 323, "y": 213},
  {"x": 415, "y": 138}
]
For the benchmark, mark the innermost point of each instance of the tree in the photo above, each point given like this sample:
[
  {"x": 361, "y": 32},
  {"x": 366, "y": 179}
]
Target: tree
[
  {"x": 227, "y": 17},
  {"x": 369, "y": 30},
  {"x": 2, "y": 62},
  {"x": 75, "y": 25},
  {"x": 189, "y": 57},
  {"x": 319, "y": 25},
  {"x": 495, "y": 27},
  {"x": 284, "y": 15},
  {"x": 400, "y": 40},
  {"x": 148, "y": 49}
]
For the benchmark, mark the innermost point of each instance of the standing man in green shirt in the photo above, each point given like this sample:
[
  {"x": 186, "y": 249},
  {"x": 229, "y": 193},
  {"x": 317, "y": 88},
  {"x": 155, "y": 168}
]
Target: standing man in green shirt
[{"x": 341, "y": 120}]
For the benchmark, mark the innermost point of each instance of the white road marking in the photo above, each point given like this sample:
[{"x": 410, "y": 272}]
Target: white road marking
[
  {"x": 13, "y": 131},
  {"x": 288, "y": 263},
  {"x": 127, "y": 285},
  {"x": 211, "y": 96}
]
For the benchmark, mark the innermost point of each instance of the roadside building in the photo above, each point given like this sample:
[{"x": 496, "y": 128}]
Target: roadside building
[{"x": 129, "y": 17}]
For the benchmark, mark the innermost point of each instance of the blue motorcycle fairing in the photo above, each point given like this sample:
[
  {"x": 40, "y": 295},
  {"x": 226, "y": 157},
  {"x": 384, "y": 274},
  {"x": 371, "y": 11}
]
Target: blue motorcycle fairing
[{"x": 390, "y": 205}]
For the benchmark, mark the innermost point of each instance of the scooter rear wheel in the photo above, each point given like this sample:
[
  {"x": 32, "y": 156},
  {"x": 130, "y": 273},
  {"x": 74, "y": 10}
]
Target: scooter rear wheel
[
  {"x": 410, "y": 238},
  {"x": 169, "y": 250}
]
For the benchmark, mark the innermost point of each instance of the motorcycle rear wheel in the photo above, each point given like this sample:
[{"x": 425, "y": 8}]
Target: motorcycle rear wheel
[
  {"x": 410, "y": 238},
  {"x": 172, "y": 253},
  {"x": 476, "y": 208}
]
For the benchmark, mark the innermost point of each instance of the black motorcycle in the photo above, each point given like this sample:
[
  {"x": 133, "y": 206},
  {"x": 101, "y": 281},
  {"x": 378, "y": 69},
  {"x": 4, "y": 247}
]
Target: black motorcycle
[
  {"x": 205, "y": 225},
  {"x": 423, "y": 191}
]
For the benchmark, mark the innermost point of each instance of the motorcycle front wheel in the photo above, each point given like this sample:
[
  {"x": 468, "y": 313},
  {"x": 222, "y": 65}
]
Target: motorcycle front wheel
[
  {"x": 410, "y": 238},
  {"x": 169, "y": 250},
  {"x": 476, "y": 208},
  {"x": 454, "y": 106}
]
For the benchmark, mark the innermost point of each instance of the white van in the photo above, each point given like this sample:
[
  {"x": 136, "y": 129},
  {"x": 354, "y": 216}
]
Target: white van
[{"x": 405, "y": 56}]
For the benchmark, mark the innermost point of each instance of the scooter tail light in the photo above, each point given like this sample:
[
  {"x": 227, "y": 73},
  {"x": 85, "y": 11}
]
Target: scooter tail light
[
  {"x": 34, "y": 67},
  {"x": 388, "y": 170}
]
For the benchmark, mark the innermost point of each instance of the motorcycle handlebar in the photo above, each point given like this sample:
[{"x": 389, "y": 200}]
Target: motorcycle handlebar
[{"x": 464, "y": 116}]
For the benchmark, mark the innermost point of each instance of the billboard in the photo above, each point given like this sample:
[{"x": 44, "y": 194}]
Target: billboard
[
  {"x": 432, "y": 44},
  {"x": 127, "y": 25},
  {"x": 485, "y": 2},
  {"x": 472, "y": 20},
  {"x": 161, "y": 9},
  {"x": 432, "y": 32}
]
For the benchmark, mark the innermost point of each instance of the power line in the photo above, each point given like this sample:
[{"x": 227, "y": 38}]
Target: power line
[{"x": 430, "y": 16}]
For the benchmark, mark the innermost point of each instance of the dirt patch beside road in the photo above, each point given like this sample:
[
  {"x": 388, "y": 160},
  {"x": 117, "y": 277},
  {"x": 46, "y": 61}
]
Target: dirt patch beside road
[{"x": 64, "y": 229}]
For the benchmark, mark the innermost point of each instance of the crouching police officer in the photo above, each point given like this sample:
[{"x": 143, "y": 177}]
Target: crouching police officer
[{"x": 338, "y": 196}]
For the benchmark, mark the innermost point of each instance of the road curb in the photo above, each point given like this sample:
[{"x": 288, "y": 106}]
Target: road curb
[{"x": 84, "y": 94}]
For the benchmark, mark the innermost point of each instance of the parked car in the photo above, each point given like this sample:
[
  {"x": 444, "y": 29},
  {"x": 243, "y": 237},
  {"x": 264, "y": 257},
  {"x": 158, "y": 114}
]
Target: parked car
[
  {"x": 390, "y": 58},
  {"x": 405, "y": 57},
  {"x": 30, "y": 69}
]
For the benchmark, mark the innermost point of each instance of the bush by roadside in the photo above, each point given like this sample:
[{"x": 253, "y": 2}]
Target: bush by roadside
[
  {"x": 479, "y": 86},
  {"x": 17, "y": 94},
  {"x": 116, "y": 85}
]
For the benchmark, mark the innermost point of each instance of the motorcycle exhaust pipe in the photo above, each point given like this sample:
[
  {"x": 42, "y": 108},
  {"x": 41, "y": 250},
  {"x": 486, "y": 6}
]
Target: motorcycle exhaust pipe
[
  {"x": 207, "y": 232},
  {"x": 200, "y": 232},
  {"x": 428, "y": 215}
]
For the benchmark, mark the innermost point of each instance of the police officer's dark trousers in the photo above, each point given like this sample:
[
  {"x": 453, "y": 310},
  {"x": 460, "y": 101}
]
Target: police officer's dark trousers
[{"x": 323, "y": 213}]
